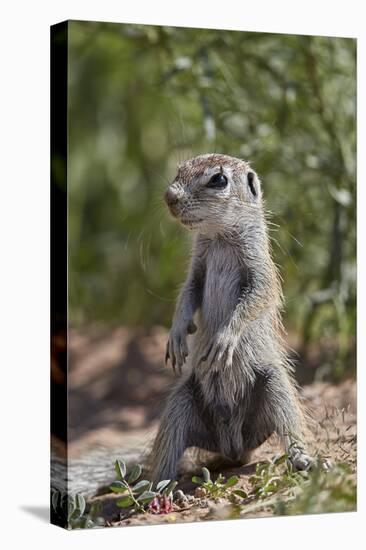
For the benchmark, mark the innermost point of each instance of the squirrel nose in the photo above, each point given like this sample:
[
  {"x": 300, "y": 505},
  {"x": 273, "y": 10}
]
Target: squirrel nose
[{"x": 171, "y": 197}]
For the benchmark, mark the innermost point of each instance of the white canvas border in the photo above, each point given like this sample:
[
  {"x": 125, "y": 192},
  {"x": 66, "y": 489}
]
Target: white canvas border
[{"x": 25, "y": 268}]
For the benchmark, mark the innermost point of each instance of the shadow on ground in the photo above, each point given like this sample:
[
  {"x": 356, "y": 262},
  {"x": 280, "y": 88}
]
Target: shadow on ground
[
  {"x": 118, "y": 383},
  {"x": 40, "y": 512}
]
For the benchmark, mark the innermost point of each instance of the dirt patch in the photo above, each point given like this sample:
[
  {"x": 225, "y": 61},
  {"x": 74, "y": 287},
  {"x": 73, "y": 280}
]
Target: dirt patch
[
  {"x": 117, "y": 388},
  {"x": 333, "y": 436}
]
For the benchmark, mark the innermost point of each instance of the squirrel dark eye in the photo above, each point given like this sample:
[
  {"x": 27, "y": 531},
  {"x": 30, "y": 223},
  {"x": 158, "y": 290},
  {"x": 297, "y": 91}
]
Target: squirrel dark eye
[
  {"x": 219, "y": 181},
  {"x": 251, "y": 184}
]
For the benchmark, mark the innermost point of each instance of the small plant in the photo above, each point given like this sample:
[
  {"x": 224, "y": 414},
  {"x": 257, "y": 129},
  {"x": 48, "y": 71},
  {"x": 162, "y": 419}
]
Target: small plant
[
  {"x": 138, "y": 494},
  {"x": 277, "y": 487},
  {"x": 70, "y": 510},
  {"x": 323, "y": 492},
  {"x": 218, "y": 488},
  {"x": 275, "y": 475}
]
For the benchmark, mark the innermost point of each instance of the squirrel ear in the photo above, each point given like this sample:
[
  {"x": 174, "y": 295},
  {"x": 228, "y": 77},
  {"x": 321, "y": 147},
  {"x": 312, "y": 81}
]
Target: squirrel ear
[{"x": 251, "y": 184}]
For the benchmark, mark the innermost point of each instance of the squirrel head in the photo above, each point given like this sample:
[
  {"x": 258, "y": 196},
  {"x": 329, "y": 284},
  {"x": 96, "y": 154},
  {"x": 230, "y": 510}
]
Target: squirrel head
[{"x": 214, "y": 193}]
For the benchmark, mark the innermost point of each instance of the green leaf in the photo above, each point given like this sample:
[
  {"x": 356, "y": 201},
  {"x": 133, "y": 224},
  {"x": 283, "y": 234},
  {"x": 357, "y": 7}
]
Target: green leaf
[
  {"x": 125, "y": 502},
  {"x": 197, "y": 480},
  {"x": 162, "y": 484},
  {"x": 80, "y": 504},
  {"x": 240, "y": 493},
  {"x": 118, "y": 487},
  {"x": 120, "y": 468},
  {"x": 206, "y": 474},
  {"x": 220, "y": 479},
  {"x": 280, "y": 459},
  {"x": 233, "y": 480},
  {"x": 135, "y": 474},
  {"x": 146, "y": 497},
  {"x": 70, "y": 507},
  {"x": 143, "y": 485},
  {"x": 170, "y": 487},
  {"x": 55, "y": 499},
  {"x": 95, "y": 508}
]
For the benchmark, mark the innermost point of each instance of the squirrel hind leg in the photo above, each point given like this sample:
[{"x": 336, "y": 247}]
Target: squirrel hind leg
[
  {"x": 181, "y": 427},
  {"x": 275, "y": 408},
  {"x": 282, "y": 412},
  {"x": 259, "y": 421}
]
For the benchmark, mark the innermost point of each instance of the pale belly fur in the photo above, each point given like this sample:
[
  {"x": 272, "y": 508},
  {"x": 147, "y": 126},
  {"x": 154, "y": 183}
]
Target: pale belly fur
[{"x": 221, "y": 289}]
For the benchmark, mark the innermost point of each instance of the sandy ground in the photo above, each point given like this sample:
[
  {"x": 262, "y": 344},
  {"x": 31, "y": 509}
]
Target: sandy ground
[{"x": 117, "y": 387}]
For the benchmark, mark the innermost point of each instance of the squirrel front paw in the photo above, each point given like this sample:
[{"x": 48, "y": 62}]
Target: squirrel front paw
[
  {"x": 177, "y": 347},
  {"x": 220, "y": 350}
]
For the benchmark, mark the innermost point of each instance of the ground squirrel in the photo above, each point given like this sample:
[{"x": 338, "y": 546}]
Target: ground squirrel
[{"x": 236, "y": 385}]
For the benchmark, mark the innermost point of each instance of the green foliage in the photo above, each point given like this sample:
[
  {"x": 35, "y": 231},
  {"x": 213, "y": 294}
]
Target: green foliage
[
  {"x": 274, "y": 487},
  {"x": 218, "y": 488},
  {"x": 142, "y": 98},
  {"x": 275, "y": 475},
  {"x": 136, "y": 496},
  {"x": 71, "y": 511},
  {"x": 334, "y": 491},
  {"x": 277, "y": 488}
]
